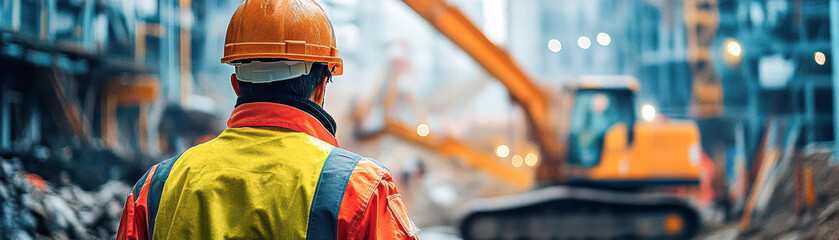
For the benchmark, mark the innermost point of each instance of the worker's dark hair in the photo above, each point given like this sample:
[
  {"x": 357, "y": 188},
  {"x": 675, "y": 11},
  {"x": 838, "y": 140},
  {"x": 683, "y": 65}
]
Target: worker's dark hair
[{"x": 303, "y": 86}]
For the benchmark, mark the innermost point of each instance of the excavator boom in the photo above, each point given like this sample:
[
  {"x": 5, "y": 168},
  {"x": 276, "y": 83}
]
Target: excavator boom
[
  {"x": 386, "y": 97},
  {"x": 453, "y": 24},
  {"x": 450, "y": 147}
]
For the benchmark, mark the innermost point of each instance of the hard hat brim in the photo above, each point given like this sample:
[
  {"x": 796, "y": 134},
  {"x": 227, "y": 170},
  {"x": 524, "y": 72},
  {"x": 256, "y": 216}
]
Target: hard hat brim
[{"x": 290, "y": 50}]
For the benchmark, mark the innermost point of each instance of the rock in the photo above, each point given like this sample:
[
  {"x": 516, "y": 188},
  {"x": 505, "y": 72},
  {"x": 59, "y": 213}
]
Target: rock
[
  {"x": 6, "y": 170},
  {"x": 28, "y": 212},
  {"x": 28, "y": 221},
  {"x": 20, "y": 235},
  {"x": 5, "y": 195},
  {"x": 791, "y": 236},
  {"x": 726, "y": 233},
  {"x": 59, "y": 209},
  {"x": 828, "y": 212}
]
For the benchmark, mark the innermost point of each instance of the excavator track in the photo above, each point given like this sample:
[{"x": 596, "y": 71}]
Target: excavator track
[{"x": 563, "y": 212}]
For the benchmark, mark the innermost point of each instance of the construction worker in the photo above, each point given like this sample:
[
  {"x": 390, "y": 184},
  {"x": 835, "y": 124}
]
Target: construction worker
[{"x": 276, "y": 171}]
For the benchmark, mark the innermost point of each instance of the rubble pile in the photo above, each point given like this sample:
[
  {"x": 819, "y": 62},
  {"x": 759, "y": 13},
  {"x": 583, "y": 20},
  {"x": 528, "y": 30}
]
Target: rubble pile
[
  {"x": 783, "y": 219},
  {"x": 819, "y": 222},
  {"x": 31, "y": 208}
]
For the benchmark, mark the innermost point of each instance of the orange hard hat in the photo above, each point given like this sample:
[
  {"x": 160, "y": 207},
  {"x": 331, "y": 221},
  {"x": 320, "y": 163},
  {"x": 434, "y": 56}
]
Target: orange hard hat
[{"x": 283, "y": 29}]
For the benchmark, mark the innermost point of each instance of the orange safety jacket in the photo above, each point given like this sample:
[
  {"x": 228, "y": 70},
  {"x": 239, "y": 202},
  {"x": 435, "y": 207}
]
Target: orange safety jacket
[{"x": 274, "y": 173}]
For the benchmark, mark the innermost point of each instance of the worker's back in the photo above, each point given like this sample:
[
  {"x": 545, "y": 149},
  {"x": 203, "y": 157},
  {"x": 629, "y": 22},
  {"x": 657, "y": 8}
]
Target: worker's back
[
  {"x": 248, "y": 183},
  {"x": 273, "y": 174}
]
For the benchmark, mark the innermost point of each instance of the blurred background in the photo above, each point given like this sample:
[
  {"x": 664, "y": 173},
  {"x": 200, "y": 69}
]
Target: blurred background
[{"x": 498, "y": 119}]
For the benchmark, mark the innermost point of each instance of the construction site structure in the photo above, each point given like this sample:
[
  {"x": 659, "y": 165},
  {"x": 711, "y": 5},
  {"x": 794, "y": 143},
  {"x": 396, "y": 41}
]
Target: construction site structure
[{"x": 88, "y": 85}]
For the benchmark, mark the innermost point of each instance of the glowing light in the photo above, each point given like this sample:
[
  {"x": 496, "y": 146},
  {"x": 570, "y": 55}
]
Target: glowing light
[
  {"x": 517, "y": 160},
  {"x": 584, "y": 42},
  {"x": 423, "y": 130},
  {"x": 648, "y": 112},
  {"x": 502, "y": 151},
  {"x": 530, "y": 159},
  {"x": 820, "y": 58},
  {"x": 604, "y": 39},
  {"x": 554, "y": 45},
  {"x": 673, "y": 223},
  {"x": 733, "y": 48}
]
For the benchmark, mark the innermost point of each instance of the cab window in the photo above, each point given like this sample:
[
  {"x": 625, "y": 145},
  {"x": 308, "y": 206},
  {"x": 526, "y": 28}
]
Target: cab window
[{"x": 595, "y": 111}]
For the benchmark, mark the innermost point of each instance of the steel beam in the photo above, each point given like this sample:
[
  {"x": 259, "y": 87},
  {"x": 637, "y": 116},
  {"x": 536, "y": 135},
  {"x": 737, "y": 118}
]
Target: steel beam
[
  {"x": 15, "y": 21},
  {"x": 810, "y": 111},
  {"x": 48, "y": 15},
  {"x": 5, "y": 116},
  {"x": 88, "y": 43},
  {"x": 169, "y": 70},
  {"x": 185, "y": 47},
  {"x": 834, "y": 42},
  {"x": 33, "y": 125},
  {"x": 702, "y": 20}
]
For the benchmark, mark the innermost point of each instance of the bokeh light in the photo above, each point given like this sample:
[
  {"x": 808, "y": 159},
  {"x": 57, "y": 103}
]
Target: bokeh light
[
  {"x": 733, "y": 48},
  {"x": 554, "y": 45},
  {"x": 604, "y": 39},
  {"x": 584, "y": 42},
  {"x": 423, "y": 130},
  {"x": 648, "y": 112},
  {"x": 502, "y": 151},
  {"x": 517, "y": 160},
  {"x": 530, "y": 159},
  {"x": 820, "y": 58}
]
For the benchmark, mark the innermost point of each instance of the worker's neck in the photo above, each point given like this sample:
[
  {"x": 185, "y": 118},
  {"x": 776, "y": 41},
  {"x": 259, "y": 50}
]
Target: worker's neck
[{"x": 303, "y": 104}]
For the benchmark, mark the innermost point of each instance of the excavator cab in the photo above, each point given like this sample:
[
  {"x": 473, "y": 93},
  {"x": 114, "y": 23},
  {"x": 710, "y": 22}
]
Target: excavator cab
[
  {"x": 613, "y": 158},
  {"x": 610, "y": 147},
  {"x": 595, "y": 112}
]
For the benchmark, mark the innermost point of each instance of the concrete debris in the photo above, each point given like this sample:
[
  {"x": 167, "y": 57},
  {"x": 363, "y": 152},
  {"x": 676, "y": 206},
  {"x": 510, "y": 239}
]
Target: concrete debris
[
  {"x": 30, "y": 209},
  {"x": 791, "y": 236},
  {"x": 828, "y": 212},
  {"x": 782, "y": 220},
  {"x": 726, "y": 233}
]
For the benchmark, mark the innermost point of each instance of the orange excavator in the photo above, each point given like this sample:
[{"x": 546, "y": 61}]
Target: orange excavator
[{"x": 602, "y": 168}]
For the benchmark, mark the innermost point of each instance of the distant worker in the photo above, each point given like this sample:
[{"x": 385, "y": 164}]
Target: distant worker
[{"x": 276, "y": 171}]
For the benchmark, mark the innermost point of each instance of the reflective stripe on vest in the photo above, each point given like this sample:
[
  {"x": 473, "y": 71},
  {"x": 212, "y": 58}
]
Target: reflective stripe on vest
[
  {"x": 156, "y": 190},
  {"x": 323, "y": 218}
]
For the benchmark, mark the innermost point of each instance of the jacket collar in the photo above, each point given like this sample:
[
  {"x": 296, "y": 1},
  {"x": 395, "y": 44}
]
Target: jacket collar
[{"x": 285, "y": 112}]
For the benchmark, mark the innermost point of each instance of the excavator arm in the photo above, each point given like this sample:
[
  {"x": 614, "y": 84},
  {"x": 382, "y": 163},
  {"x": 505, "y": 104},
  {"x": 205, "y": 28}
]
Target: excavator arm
[
  {"x": 453, "y": 24},
  {"x": 451, "y": 147},
  {"x": 387, "y": 96}
]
